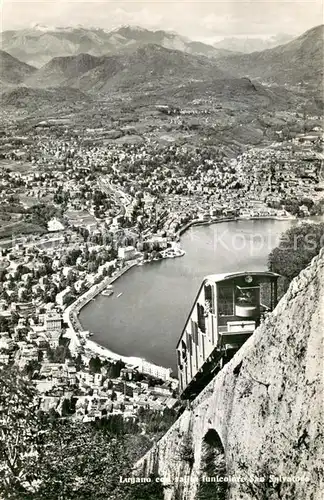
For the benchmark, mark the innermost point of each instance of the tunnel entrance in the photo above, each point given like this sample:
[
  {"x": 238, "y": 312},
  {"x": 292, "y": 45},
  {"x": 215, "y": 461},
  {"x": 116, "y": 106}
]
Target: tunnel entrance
[{"x": 213, "y": 440}]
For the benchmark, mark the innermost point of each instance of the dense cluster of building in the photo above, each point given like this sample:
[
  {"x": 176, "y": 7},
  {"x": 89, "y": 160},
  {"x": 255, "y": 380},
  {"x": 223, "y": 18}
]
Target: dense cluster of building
[
  {"x": 98, "y": 209},
  {"x": 151, "y": 187},
  {"x": 85, "y": 387}
]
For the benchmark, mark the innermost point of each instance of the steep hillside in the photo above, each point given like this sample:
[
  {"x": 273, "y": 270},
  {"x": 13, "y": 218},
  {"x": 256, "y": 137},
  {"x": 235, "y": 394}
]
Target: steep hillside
[
  {"x": 12, "y": 70},
  {"x": 60, "y": 69},
  {"x": 40, "y": 44},
  {"x": 260, "y": 419},
  {"x": 37, "y": 99},
  {"x": 297, "y": 62},
  {"x": 154, "y": 63},
  {"x": 123, "y": 70}
]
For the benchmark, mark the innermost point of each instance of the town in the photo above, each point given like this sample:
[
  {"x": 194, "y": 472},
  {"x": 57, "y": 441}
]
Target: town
[{"x": 77, "y": 215}]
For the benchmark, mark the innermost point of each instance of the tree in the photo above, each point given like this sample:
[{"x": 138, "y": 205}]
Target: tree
[
  {"x": 32, "y": 367},
  {"x": 78, "y": 462},
  {"x": 72, "y": 257},
  {"x": 187, "y": 451},
  {"x": 71, "y": 279},
  {"x": 66, "y": 407},
  {"x": 296, "y": 249},
  {"x": 59, "y": 354},
  {"x": 2, "y": 275},
  {"x": 92, "y": 267},
  {"x": 78, "y": 362},
  {"x": 95, "y": 365},
  {"x": 152, "y": 490},
  {"x": 4, "y": 324},
  {"x": 44, "y": 456},
  {"x": 151, "y": 382}
]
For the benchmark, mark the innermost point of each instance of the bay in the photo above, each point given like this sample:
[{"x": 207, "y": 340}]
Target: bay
[{"x": 147, "y": 319}]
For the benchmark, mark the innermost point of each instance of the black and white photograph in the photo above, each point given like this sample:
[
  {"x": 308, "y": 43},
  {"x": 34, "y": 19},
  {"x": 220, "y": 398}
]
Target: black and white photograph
[{"x": 161, "y": 250}]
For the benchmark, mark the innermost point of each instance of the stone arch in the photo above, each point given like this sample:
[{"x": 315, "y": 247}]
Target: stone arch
[
  {"x": 212, "y": 438},
  {"x": 213, "y": 465}
]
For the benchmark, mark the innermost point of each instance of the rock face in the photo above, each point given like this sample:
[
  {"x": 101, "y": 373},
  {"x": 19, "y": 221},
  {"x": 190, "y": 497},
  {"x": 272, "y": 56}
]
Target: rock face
[{"x": 260, "y": 417}]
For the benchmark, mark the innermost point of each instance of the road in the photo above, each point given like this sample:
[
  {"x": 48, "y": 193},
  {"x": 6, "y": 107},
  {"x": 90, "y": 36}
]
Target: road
[{"x": 116, "y": 193}]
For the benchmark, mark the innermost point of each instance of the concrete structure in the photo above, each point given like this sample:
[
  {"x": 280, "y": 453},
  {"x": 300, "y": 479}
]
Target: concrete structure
[{"x": 261, "y": 416}]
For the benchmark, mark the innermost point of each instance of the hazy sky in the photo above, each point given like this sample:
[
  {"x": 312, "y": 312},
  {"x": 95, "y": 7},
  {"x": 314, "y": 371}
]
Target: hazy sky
[{"x": 196, "y": 19}]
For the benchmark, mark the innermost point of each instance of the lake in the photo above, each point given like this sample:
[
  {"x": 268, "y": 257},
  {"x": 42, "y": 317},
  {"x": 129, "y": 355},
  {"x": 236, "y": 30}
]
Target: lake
[{"x": 147, "y": 319}]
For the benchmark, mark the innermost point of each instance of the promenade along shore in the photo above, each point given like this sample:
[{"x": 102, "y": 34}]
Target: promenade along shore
[{"x": 79, "y": 341}]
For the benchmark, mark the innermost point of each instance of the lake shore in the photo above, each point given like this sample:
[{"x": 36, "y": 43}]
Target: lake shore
[
  {"x": 76, "y": 307},
  {"x": 201, "y": 222},
  {"x": 79, "y": 342}
]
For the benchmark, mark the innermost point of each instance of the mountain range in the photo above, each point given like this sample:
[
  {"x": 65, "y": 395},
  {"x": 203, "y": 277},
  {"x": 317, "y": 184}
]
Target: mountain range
[
  {"x": 38, "y": 45},
  {"x": 247, "y": 44},
  {"x": 151, "y": 65},
  {"x": 299, "y": 61},
  {"x": 145, "y": 65}
]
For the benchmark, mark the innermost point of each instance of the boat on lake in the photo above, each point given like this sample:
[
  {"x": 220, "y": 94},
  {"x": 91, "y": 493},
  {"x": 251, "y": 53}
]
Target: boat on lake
[{"x": 173, "y": 252}]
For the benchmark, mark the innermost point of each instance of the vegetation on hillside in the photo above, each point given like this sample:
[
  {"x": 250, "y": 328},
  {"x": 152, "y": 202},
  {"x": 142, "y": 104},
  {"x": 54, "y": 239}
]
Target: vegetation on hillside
[
  {"x": 296, "y": 249},
  {"x": 42, "y": 456},
  {"x": 13, "y": 70},
  {"x": 299, "y": 60}
]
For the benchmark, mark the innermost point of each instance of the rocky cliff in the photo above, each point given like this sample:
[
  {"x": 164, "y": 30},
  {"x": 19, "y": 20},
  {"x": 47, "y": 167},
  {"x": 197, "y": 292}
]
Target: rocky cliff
[{"x": 255, "y": 431}]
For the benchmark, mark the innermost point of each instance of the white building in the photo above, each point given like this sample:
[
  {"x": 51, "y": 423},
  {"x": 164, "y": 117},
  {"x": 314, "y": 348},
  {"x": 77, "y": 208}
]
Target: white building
[
  {"x": 61, "y": 297},
  {"x": 154, "y": 370},
  {"x": 55, "y": 225},
  {"x": 6, "y": 342},
  {"x": 26, "y": 353},
  {"x": 53, "y": 338},
  {"x": 126, "y": 253}
]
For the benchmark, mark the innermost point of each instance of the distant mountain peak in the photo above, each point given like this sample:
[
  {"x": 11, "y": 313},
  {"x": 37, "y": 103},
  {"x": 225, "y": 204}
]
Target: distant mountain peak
[
  {"x": 38, "y": 45},
  {"x": 42, "y": 27},
  {"x": 130, "y": 27}
]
